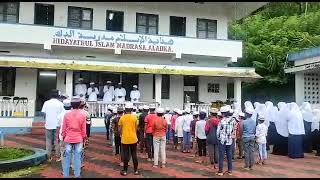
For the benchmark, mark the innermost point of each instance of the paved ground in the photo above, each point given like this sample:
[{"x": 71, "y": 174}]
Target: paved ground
[{"x": 100, "y": 162}]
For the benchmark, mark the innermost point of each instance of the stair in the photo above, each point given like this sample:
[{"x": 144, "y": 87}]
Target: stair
[{"x": 38, "y": 128}]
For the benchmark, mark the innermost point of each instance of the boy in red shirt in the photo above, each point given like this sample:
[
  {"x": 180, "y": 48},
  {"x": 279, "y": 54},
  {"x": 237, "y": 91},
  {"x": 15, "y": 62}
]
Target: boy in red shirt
[{"x": 148, "y": 131}]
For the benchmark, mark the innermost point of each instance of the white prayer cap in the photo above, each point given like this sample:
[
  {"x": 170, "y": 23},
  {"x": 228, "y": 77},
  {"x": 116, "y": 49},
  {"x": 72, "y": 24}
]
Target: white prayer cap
[
  {"x": 91, "y": 83},
  {"x": 109, "y": 106},
  {"x": 241, "y": 114},
  {"x": 129, "y": 105},
  {"x": 196, "y": 113},
  {"x": 135, "y": 107},
  {"x": 135, "y": 86},
  {"x": 160, "y": 110},
  {"x": 213, "y": 110},
  {"x": 219, "y": 113},
  {"x": 261, "y": 117},
  {"x": 179, "y": 112},
  {"x": 114, "y": 110},
  {"x": 109, "y": 82},
  {"x": 140, "y": 107},
  {"x": 250, "y": 110},
  {"x": 119, "y": 83},
  {"x": 203, "y": 110},
  {"x": 231, "y": 110},
  {"x": 228, "y": 107},
  {"x": 67, "y": 102},
  {"x": 183, "y": 111},
  {"x": 224, "y": 109},
  {"x": 80, "y": 79},
  {"x": 175, "y": 110},
  {"x": 152, "y": 106},
  {"x": 187, "y": 110},
  {"x": 145, "y": 107},
  {"x": 167, "y": 109}
]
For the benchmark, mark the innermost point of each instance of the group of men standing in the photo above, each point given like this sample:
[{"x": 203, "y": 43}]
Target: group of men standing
[{"x": 110, "y": 93}]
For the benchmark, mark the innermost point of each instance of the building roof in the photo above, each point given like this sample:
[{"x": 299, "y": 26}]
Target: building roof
[
  {"x": 40, "y": 62},
  {"x": 304, "y": 54}
]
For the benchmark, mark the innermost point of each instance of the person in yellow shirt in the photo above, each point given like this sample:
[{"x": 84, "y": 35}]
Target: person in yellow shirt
[{"x": 128, "y": 125}]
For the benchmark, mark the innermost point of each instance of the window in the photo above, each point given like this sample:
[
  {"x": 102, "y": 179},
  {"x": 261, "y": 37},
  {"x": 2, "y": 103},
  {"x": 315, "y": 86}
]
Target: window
[
  {"x": 165, "y": 87},
  {"x": 177, "y": 26},
  {"x": 213, "y": 88},
  {"x": 114, "y": 20},
  {"x": 206, "y": 28},
  {"x": 7, "y": 81},
  {"x": 9, "y": 12},
  {"x": 44, "y": 14},
  {"x": 80, "y": 17},
  {"x": 147, "y": 23}
]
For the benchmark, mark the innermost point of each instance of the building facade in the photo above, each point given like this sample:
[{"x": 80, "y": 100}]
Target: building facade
[
  {"x": 307, "y": 75},
  {"x": 171, "y": 50}
]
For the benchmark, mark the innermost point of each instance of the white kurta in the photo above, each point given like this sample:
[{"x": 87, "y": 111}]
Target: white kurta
[
  {"x": 93, "y": 95},
  {"x": 108, "y": 93},
  {"x": 120, "y": 92},
  {"x": 135, "y": 94},
  {"x": 80, "y": 89}
]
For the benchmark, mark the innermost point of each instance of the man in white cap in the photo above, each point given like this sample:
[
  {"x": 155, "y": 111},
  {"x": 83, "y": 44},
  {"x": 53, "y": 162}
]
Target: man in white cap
[
  {"x": 148, "y": 130},
  {"x": 186, "y": 131},
  {"x": 179, "y": 129},
  {"x": 92, "y": 93},
  {"x": 135, "y": 94},
  {"x": 108, "y": 91},
  {"x": 141, "y": 129},
  {"x": 120, "y": 93},
  {"x": 167, "y": 117},
  {"x": 159, "y": 130},
  {"x": 80, "y": 89}
]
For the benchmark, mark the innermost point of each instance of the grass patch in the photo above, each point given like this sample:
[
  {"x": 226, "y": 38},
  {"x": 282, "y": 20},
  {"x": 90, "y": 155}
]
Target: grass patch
[
  {"x": 25, "y": 172},
  {"x": 9, "y": 153}
]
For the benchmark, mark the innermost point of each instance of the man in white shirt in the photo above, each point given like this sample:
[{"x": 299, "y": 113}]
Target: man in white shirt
[
  {"x": 120, "y": 93},
  {"x": 167, "y": 117},
  {"x": 201, "y": 136},
  {"x": 80, "y": 88},
  {"x": 135, "y": 94},
  {"x": 108, "y": 91},
  {"x": 179, "y": 129},
  {"x": 92, "y": 93},
  {"x": 52, "y": 109},
  {"x": 186, "y": 131}
]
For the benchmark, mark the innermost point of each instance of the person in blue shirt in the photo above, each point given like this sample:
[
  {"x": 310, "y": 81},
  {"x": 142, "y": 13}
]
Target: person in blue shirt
[{"x": 248, "y": 128}]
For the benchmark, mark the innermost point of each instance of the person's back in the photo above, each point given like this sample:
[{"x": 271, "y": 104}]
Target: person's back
[
  {"x": 261, "y": 133},
  {"x": 200, "y": 129},
  {"x": 149, "y": 120},
  {"x": 52, "y": 109},
  {"x": 186, "y": 122},
  {"x": 141, "y": 121},
  {"x": 179, "y": 126},
  {"x": 159, "y": 127},
  {"x": 248, "y": 128},
  {"x": 211, "y": 130},
  {"x": 128, "y": 123},
  {"x": 74, "y": 126}
]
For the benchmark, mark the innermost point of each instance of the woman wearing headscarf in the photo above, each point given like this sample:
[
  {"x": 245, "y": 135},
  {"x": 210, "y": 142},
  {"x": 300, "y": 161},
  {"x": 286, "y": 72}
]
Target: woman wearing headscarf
[
  {"x": 307, "y": 115},
  {"x": 269, "y": 115},
  {"x": 296, "y": 132},
  {"x": 280, "y": 138},
  {"x": 315, "y": 131},
  {"x": 248, "y": 104}
]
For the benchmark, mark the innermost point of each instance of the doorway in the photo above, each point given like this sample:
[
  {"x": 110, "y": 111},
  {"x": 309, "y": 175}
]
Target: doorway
[
  {"x": 191, "y": 88},
  {"x": 47, "y": 80}
]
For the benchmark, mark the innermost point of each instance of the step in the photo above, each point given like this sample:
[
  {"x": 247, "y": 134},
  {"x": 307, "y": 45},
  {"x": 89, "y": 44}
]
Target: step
[{"x": 38, "y": 128}]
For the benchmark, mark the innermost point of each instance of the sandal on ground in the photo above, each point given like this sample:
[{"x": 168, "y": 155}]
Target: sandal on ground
[
  {"x": 219, "y": 173},
  {"x": 136, "y": 173},
  {"x": 163, "y": 166},
  {"x": 229, "y": 173},
  {"x": 123, "y": 173},
  {"x": 155, "y": 166}
]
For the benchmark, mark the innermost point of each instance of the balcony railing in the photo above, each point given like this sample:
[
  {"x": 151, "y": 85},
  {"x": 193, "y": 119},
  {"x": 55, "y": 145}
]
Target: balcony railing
[
  {"x": 98, "y": 109},
  {"x": 16, "y": 107}
]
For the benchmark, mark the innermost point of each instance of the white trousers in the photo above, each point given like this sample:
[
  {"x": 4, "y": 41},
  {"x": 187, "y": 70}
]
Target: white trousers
[{"x": 159, "y": 145}]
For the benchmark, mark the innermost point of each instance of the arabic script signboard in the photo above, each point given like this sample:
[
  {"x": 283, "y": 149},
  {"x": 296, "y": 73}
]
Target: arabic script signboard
[
  {"x": 312, "y": 66},
  {"x": 113, "y": 40}
]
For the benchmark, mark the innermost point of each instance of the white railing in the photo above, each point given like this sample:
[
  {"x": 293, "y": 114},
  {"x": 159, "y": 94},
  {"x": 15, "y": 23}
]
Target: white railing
[
  {"x": 16, "y": 108},
  {"x": 198, "y": 106},
  {"x": 98, "y": 109}
]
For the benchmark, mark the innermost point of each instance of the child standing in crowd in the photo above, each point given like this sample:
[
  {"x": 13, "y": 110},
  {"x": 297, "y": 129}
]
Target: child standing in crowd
[
  {"x": 212, "y": 140},
  {"x": 115, "y": 129},
  {"x": 141, "y": 129},
  {"x": 193, "y": 128},
  {"x": 173, "y": 128},
  {"x": 159, "y": 130},
  {"x": 238, "y": 135},
  {"x": 179, "y": 129},
  {"x": 200, "y": 134},
  {"x": 107, "y": 118},
  {"x": 148, "y": 130},
  {"x": 261, "y": 134},
  {"x": 186, "y": 131},
  {"x": 167, "y": 117}
]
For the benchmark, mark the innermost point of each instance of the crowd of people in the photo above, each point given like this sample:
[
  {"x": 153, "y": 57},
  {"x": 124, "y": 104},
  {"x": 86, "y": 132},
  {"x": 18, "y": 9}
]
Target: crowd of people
[{"x": 222, "y": 133}]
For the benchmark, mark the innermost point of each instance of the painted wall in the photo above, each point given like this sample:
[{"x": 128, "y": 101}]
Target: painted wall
[
  {"x": 61, "y": 81},
  {"x": 189, "y": 10},
  {"x": 206, "y": 97}
]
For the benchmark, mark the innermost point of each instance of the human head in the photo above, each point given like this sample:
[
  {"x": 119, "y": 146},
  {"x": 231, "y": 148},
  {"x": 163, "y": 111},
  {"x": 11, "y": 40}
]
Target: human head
[
  {"x": 140, "y": 109},
  {"x": 120, "y": 110},
  {"x": 179, "y": 112},
  {"x": 109, "y": 83},
  {"x": 80, "y": 80},
  {"x": 160, "y": 112},
  {"x": 225, "y": 111},
  {"x": 134, "y": 109},
  {"x": 146, "y": 108},
  {"x": 82, "y": 103},
  {"x": 75, "y": 102},
  {"x": 55, "y": 93},
  {"x": 195, "y": 115},
  {"x": 187, "y": 111},
  {"x": 128, "y": 107},
  {"x": 249, "y": 112},
  {"x": 241, "y": 116},
  {"x": 167, "y": 110},
  {"x": 135, "y": 87},
  {"x": 119, "y": 85},
  {"x": 109, "y": 107},
  {"x": 202, "y": 114},
  {"x": 214, "y": 112},
  {"x": 152, "y": 108},
  {"x": 114, "y": 111},
  {"x": 67, "y": 104},
  {"x": 261, "y": 119},
  {"x": 91, "y": 84}
]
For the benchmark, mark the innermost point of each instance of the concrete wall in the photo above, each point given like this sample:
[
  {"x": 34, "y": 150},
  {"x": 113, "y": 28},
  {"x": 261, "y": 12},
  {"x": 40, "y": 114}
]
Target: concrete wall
[
  {"x": 189, "y": 10},
  {"x": 299, "y": 87},
  {"x": 61, "y": 81},
  {"x": 206, "y": 97}
]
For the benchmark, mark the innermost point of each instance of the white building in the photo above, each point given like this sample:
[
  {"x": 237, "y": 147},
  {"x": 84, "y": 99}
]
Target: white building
[
  {"x": 307, "y": 75},
  {"x": 169, "y": 49}
]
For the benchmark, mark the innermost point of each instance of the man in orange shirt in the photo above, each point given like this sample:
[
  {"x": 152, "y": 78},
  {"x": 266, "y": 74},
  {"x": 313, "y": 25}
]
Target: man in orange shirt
[
  {"x": 148, "y": 131},
  {"x": 159, "y": 130},
  {"x": 128, "y": 125}
]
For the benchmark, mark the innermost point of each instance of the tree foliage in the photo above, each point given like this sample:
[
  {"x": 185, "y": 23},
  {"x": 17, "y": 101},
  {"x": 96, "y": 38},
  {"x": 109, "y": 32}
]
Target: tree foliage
[{"x": 270, "y": 34}]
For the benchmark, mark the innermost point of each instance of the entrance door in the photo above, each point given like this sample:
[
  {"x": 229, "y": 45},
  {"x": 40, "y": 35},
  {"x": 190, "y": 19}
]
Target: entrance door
[
  {"x": 47, "y": 80},
  {"x": 191, "y": 88},
  {"x": 128, "y": 80}
]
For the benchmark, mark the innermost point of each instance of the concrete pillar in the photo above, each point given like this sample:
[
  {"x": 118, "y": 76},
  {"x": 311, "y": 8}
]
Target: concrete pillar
[
  {"x": 69, "y": 83},
  {"x": 237, "y": 90},
  {"x": 299, "y": 87},
  {"x": 158, "y": 81}
]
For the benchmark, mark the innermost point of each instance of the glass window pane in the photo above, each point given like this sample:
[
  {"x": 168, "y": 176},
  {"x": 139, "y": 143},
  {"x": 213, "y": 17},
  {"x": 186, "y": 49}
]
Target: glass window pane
[
  {"x": 212, "y": 35},
  {"x": 152, "y": 20},
  {"x": 12, "y": 8},
  {"x": 152, "y": 30},
  {"x": 142, "y": 20},
  {"x": 141, "y": 29},
  {"x": 212, "y": 26},
  {"x": 86, "y": 14},
  {"x": 86, "y": 24},
  {"x": 202, "y": 34},
  {"x": 75, "y": 13},
  {"x": 74, "y": 23},
  {"x": 1, "y": 18},
  {"x": 201, "y": 25},
  {"x": 11, "y": 18}
]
